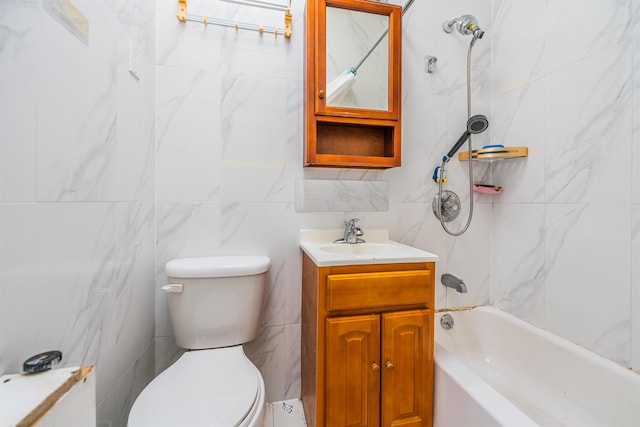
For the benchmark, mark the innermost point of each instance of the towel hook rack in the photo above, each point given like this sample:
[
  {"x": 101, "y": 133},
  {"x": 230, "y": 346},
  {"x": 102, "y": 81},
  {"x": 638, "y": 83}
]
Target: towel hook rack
[{"x": 183, "y": 16}]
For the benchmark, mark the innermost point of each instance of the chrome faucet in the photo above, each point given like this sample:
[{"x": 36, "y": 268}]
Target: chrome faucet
[
  {"x": 451, "y": 281},
  {"x": 352, "y": 232}
]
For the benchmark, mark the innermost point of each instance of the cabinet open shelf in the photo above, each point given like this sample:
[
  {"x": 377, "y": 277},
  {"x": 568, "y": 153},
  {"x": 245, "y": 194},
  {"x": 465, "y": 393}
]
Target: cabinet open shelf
[
  {"x": 364, "y": 145},
  {"x": 350, "y": 140}
]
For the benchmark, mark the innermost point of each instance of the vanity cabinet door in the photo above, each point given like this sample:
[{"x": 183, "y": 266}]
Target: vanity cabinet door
[
  {"x": 379, "y": 370},
  {"x": 407, "y": 368},
  {"x": 353, "y": 371}
]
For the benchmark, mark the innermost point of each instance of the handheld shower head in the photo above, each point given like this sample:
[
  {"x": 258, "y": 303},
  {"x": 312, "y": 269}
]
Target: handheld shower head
[
  {"x": 476, "y": 124},
  {"x": 466, "y": 24}
]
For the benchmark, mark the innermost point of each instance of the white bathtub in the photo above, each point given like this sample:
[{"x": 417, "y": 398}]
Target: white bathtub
[{"x": 493, "y": 369}]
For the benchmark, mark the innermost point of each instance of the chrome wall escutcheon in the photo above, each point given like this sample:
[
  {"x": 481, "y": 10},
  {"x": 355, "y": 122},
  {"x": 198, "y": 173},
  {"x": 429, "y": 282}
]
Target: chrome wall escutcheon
[
  {"x": 446, "y": 321},
  {"x": 449, "y": 207}
]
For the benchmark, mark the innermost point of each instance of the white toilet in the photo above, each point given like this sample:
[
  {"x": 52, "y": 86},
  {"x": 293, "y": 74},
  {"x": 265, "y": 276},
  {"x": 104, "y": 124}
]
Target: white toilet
[{"x": 215, "y": 305}]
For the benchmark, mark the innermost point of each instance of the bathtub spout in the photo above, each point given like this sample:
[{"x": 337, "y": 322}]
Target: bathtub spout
[{"x": 451, "y": 281}]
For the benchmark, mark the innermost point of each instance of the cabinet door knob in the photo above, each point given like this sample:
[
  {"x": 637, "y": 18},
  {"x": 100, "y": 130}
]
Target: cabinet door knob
[
  {"x": 388, "y": 364},
  {"x": 375, "y": 367},
  {"x": 321, "y": 94}
]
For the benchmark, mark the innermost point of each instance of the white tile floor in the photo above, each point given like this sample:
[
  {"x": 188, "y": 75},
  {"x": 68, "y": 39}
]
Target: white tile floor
[{"x": 288, "y": 413}]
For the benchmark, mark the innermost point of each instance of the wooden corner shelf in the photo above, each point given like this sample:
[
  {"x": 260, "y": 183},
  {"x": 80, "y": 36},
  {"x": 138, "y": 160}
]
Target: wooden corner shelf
[{"x": 495, "y": 153}]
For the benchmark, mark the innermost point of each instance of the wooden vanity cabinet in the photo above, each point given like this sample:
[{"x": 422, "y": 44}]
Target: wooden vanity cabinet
[{"x": 367, "y": 344}]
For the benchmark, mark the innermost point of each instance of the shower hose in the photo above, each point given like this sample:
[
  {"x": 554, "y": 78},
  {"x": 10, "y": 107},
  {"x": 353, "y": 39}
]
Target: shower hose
[{"x": 444, "y": 162}]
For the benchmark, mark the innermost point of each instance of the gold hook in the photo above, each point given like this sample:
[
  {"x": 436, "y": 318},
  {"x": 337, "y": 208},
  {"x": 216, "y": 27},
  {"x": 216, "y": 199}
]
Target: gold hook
[
  {"x": 287, "y": 23},
  {"x": 182, "y": 11}
]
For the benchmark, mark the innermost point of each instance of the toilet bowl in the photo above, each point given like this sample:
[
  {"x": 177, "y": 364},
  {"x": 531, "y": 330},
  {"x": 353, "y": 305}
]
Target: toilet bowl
[
  {"x": 218, "y": 387},
  {"x": 215, "y": 305}
]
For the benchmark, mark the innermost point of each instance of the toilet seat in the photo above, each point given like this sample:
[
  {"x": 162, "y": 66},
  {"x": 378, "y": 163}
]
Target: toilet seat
[{"x": 217, "y": 387}]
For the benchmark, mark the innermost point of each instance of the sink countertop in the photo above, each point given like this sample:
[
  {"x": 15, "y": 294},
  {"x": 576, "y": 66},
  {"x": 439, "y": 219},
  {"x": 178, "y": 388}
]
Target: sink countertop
[{"x": 383, "y": 250}]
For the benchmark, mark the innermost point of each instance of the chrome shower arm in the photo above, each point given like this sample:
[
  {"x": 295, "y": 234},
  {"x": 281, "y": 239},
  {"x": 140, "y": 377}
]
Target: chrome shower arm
[{"x": 447, "y": 26}]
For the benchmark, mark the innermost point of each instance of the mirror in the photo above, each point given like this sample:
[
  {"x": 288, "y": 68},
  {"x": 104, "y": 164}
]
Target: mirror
[{"x": 357, "y": 58}]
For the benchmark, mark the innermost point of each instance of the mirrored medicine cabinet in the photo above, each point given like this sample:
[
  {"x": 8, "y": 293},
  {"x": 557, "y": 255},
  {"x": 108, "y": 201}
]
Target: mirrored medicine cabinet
[{"x": 353, "y": 84}]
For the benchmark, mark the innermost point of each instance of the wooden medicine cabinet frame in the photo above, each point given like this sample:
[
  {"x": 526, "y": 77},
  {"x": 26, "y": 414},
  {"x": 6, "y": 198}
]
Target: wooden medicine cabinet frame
[{"x": 347, "y": 137}]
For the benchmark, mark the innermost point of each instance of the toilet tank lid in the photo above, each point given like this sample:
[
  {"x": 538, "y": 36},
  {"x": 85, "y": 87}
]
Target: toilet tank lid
[{"x": 217, "y": 266}]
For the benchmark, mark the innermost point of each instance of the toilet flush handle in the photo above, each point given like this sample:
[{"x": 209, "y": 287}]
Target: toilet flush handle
[{"x": 174, "y": 288}]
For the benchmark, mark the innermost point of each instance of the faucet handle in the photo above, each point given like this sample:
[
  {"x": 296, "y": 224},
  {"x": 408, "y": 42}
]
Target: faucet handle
[
  {"x": 353, "y": 228},
  {"x": 351, "y": 222}
]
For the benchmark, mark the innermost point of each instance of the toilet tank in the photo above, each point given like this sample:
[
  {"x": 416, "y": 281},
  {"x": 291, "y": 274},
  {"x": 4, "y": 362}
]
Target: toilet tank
[{"x": 216, "y": 301}]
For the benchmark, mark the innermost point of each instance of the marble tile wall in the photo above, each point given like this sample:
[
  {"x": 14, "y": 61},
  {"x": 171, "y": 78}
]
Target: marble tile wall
[
  {"x": 104, "y": 178},
  {"x": 565, "y": 229},
  {"x": 77, "y": 208}
]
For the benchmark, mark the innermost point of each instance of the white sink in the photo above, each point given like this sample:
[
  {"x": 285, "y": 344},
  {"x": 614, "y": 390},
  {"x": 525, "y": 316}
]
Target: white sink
[
  {"x": 378, "y": 249},
  {"x": 362, "y": 248}
]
